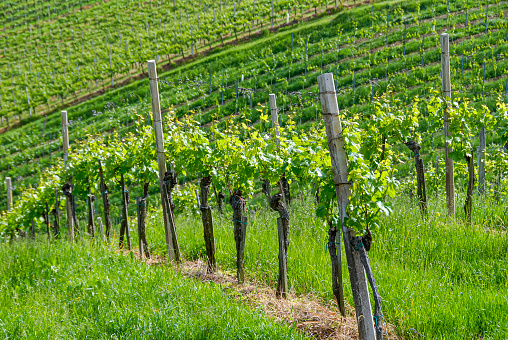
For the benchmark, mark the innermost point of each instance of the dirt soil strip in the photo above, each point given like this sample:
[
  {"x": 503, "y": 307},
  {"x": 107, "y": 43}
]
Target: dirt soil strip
[{"x": 311, "y": 315}]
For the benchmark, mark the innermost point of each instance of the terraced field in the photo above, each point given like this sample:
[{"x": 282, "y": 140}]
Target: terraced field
[{"x": 386, "y": 49}]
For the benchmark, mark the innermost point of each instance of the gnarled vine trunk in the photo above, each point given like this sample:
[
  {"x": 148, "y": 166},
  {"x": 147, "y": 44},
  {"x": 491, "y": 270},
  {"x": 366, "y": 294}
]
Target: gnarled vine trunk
[
  {"x": 169, "y": 182},
  {"x": 240, "y": 229},
  {"x": 277, "y": 204},
  {"x": 420, "y": 176},
  {"x": 206, "y": 217},
  {"x": 141, "y": 209},
  {"x": 285, "y": 187},
  {"x": 67, "y": 191},
  {"x": 124, "y": 227},
  {"x": 468, "y": 205},
  {"x": 267, "y": 190},
  {"x": 335, "y": 258},
  {"x": 105, "y": 203}
]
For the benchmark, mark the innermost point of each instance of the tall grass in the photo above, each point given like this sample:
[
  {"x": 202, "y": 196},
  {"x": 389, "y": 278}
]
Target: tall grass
[
  {"x": 62, "y": 291},
  {"x": 441, "y": 278}
]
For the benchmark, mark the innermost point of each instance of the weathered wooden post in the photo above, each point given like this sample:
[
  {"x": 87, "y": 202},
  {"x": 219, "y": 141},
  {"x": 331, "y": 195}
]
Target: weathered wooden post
[
  {"x": 172, "y": 247},
  {"x": 101, "y": 229},
  {"x": 481, "y": 161},
  {"x": 340, "y": 173},
  {"x": 68, "y": 203},
  {"x": 275, "y": 116},
  {"x": 447, "y": 90},
  {"x": 8, "y": 184},
  {"x": 283, "y": 184}
]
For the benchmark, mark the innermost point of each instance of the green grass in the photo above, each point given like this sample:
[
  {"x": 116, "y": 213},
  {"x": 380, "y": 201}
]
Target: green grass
[
  {"x": 446, "y": 279},
  {"x": 60, "y": 291}
]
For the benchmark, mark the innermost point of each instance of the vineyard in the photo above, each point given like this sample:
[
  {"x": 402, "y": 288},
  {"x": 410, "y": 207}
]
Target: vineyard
[{"x": 286, "y": 158}]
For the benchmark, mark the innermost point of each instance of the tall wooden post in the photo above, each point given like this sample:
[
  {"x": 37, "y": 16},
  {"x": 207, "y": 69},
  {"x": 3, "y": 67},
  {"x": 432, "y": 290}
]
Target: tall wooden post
[
  {"x": 481, "y": 161},
  {"x": 68, "y": 203},
  {"x": 340, "y": 174},
  {"x": 447, "y": 91},
  {"x": 276, "y": 132},
  {"x": 275, "y": 116},
  {"x": 8, "y": 184},
  {"x": 172, "y": 247}
]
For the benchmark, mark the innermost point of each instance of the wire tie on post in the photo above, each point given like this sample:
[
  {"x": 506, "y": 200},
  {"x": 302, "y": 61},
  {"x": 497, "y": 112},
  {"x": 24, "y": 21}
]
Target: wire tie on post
[
  {"x": 330, "y": 242},
  {"x": 239, "y": 221}
]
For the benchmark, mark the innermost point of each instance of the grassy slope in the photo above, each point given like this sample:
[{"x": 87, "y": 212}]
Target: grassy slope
[
  {"x": 60, "y": 291},
  {"x": 444, "y": 279}
]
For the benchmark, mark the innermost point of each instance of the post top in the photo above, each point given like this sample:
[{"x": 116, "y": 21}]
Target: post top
[
  {"x": 326, "y": 83},
  {"x": 152, "y": 69}
]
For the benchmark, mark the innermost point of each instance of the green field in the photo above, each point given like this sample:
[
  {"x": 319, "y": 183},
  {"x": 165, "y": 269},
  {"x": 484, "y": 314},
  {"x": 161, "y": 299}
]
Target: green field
[{"x": 62, "y": 291}]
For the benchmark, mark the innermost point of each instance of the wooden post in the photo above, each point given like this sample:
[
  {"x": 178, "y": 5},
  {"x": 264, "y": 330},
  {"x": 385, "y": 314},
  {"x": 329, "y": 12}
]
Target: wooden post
[
  {"x": 101, "y": 228},
  {"x": 173, "y": 250},
  {"x": 284, "y": 187},
  {"x": 197, "y": 198},
  {"x": 8, "y": 184},
  {"x": 447, "y": 90},
  {"x": 340, "y": 173},
  {"x": 68, "y": 203},
  {"x": 481, "y": 161},
  {"x": 275, "y": 117}
]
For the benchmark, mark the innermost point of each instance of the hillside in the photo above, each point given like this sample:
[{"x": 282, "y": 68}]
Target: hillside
[
  {"x": 388, "y": 48},
  {"x": 353, "y": 156}
]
